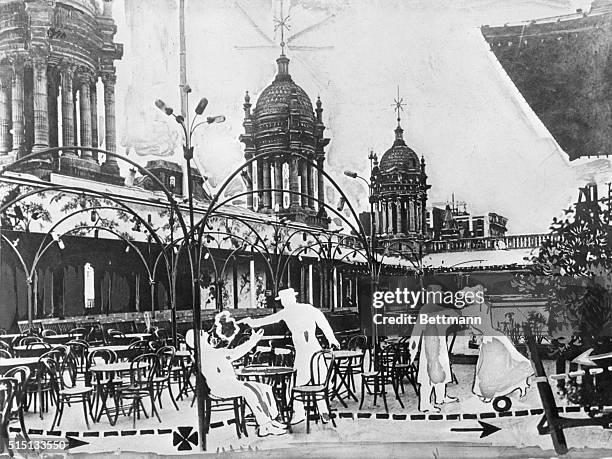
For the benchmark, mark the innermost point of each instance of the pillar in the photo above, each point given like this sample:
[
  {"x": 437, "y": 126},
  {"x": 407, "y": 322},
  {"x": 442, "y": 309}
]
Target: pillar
[
  {"x": 110, "y": 163},
  {"x": 260, "y": 168},
  {"x": 321, "y": 186},
  {"x": 304, "y": 183},
  {"x": 310, "y": 172},
  {"x": 249, "y": 184},
  {"x": 253, "y": 283},
  {"x": 85, "y": 114},
  {"x": 293, "y": 183},
  {"x": 93, "y": 103},
  {"x": 17, "y": 107},
  {"x": 267, "y": 184},
  {"x": 278, "y": 182},
  {"x": 381, "y": 218},
  {"x": 52, "y": 95},
  {"x": 310, "y": 282},
  {"x": 41, "y": 108},
  {"x": 66, "y": 75},
  {"x": 6, "y": 142},
  {"x": 383, "y": 212},
  {"x": 398, "y": 216},
  {"x": 412, "y": 216}
]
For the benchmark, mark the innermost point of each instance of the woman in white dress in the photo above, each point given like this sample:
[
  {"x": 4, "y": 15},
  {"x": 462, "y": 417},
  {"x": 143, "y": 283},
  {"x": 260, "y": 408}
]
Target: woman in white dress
[{"x": 500, "y": 369}]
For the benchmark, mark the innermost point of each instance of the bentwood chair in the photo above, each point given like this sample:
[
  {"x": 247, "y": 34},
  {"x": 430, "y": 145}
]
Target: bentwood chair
[
  {"x": 162, "y": 378},
  {"x": 376, "y": 381},
  {"x": 7, "y": 392},
  {"x": 65, "y": 388},
  {"x": 318, "y": 388},
  {"x": 5, "y": 354},
  {"x": 213, "y": 403},
  {"x": 142, "y": 372},
  {"x": 21, "y": 375}
]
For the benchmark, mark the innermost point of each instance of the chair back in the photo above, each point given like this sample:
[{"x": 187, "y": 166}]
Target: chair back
[
  {"x": 21, "y": 375},
  {"x": 321, "y": 368},
  {"x": 165, "y": 358},
  {"x": 5, "y": 346},
  {"x": 38, "y": 345},
  {"x": 386, "y": 360},
  {"x": 101, "y": 355},
  {"x": 29, "y": 339},
  {"x": 78, "y": 331},
  {"x": 48, "y": 332},
  {"x": 357, "y": 342},
  {"x": 142, "y": 370},
  {"x": 139, "y": 347},
  {"x": 79, "y": 352},
  {"x": 284, "y": 356},
  {"x": 5, "y": 354},
  {"x": 7, "y": 392},
  {"x": 262, "y": 355}
]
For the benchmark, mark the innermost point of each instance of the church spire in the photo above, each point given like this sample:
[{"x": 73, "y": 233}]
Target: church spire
[
  {"x": 282, "y": 23},
  {"x": 398, "y": 103}
]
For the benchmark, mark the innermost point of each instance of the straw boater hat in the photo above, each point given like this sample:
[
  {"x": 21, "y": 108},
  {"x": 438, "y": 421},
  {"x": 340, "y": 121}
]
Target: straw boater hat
[{"x": 286, "y": 293}]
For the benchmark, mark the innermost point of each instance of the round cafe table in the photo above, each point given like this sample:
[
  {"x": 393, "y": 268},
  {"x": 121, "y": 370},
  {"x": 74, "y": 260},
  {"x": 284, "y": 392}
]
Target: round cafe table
[
  {"x": 122, "y": 350},
  {"x": 7, "y": 364},
  {"x": 106, "y": 386},
  {"x": 280, "y": 378},
  {"x": 25, "y": 351},
  {"x": 343, "y": 377},
  {"x": 62, "y": 339}
]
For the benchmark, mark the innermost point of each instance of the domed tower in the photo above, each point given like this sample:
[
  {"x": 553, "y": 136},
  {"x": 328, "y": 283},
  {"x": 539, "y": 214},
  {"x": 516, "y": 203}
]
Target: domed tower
[
  {"x": 281, "y": 131},
  {"x": 399, "y": 191}
]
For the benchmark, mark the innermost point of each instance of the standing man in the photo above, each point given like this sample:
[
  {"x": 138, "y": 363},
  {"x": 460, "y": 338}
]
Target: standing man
[
  {"x": 302, "y": 320},
  {"x": 434, "y": 365}
]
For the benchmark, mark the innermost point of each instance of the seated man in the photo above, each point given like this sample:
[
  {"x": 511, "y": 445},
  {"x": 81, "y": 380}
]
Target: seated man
[{"x": 216, "y": 366}]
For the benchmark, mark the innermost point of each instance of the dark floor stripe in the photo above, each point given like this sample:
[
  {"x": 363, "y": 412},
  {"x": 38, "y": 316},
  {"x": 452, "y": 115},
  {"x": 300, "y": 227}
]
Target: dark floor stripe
[
  {"x": 346, "y": 415},
  {"x": 521, "y": 413},
  {"x": 72, "y": 434},
  {"x": 417, "y": 417},
  {"x": 571, "y": 409},
  {"x": 364, "y": 415},
  {"x": 469, "y": 416},
  {"x": 452, "y": 417},
  {"x": 214, "y": 425},
  {"x": 147, "y": 432},
  {"x": 505, "y": 414},
  {"x": 488, "y": 415},
  {"x": 164, "y": 431},
  {"x": 539, "y": 411},
  {"x": 91, "y": 434},
  {"x": 128, "y": 433},
  {"x": 399, "y": 417},
  {"x": 111, "y": 433},
  {"x": 14, "y": 429},
  {"x": 54, "y": 433},
  {"x": 35, "y": 431},
  {"x": 382, "y": 415}
]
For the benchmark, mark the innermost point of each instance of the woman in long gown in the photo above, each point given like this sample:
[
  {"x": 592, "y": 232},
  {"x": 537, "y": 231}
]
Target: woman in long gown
[{"x": 500, "y": 369}]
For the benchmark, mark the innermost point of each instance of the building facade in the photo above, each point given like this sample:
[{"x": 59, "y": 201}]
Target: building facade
[{"x": 52, "y": 56}]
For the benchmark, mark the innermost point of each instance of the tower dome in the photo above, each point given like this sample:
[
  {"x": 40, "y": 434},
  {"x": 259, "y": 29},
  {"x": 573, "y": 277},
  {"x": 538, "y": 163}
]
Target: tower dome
[
  {"x": 400, "y": 157},
  {"x": 276, "y": 98}
]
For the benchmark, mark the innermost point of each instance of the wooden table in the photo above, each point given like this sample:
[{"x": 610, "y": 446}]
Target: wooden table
[
  {"x": 280, "y": 378},
  {"x": 9, "y": 337},
  {"x": 103, "y": 390},
  {"x": 343, "y": 376},
  {"x": 25, "y": 351},
  {"x": 62, "y": 339},
  {"x": 137, "y": 335},
  {"x": 7, "y": 364}
]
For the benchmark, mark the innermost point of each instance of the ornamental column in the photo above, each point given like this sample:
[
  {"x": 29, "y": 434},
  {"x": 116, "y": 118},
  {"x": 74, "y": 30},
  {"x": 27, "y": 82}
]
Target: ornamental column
[
  {"x": 278, "y": 182},
  {"x": 17, "y": 107},
  {"x": 267, "y": 184},
  {"x": 66, "y": 75},
  {"x": 260, "y": 168},
  {"x": 110, "y": 163},
  {"x": 304, "y": 183},
  {"x": 381, "y": 216},
  {"x": 398, "y": 216},
  {"x": 6, "y": 143},
  {"x": 41, "y": 106},
  {"x": 93, "y": 103},
  {"x": 293, "y": 183},
  {"x": 321, "y": 186},
  {"x": 85, "y": 114},
  {"x": 310, "y": 172}
]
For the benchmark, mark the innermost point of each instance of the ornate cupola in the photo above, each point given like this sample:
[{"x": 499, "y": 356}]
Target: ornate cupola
[
  {"x": 286, "y": 136},
  {"x": 399, "y": 189}
]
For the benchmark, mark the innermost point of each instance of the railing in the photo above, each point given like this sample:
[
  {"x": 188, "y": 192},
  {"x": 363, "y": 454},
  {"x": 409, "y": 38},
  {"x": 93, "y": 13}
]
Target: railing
[{"x": 517, "y": 241}]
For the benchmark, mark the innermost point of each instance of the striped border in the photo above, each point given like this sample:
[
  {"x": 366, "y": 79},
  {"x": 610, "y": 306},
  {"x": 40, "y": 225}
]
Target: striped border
[{"x": 94, "y": 434}]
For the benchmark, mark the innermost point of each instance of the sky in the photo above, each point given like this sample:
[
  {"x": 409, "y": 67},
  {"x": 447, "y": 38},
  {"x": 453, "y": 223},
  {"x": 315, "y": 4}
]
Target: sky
[{"x": 480, "y": 141}]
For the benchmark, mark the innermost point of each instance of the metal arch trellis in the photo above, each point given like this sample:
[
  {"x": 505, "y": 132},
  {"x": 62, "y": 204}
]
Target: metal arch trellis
[{"x": 45, "y": 187}]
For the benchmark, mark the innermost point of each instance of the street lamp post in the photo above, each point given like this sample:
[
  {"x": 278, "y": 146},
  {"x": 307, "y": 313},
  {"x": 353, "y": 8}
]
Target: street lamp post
[
  {"x": 373, "y": 239},
  {"x": 188, "y": 132}
]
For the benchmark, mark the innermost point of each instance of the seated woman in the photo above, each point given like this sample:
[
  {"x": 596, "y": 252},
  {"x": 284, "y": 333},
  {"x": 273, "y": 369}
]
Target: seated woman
[{"x": 216, "y": 366}]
